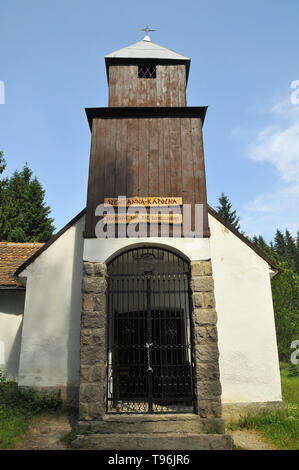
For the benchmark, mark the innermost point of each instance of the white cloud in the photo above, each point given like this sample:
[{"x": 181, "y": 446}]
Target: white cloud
[{"x": 277, "y": 144}]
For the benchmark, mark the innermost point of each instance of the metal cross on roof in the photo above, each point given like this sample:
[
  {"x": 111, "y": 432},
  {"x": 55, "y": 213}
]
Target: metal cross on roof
[{"x": 147, "y": 30}]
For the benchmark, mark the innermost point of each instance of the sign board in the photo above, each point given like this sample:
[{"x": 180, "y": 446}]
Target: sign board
[
  {"x": 143, "y": 201},
  {"x": 143, "y": 218}
]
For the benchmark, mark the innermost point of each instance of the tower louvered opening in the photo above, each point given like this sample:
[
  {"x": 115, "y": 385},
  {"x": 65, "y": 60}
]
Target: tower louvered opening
[{"x": 146, "y": 71}]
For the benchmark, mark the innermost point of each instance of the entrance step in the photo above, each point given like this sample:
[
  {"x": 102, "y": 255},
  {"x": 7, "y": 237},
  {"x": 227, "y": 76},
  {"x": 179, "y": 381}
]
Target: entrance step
[
  {"x": 156, "y": 441},
  {"x": 170, "y": 423}
]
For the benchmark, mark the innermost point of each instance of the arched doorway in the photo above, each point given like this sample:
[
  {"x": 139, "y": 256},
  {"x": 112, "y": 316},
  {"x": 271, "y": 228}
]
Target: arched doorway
[{"x": 150, "y": 355}]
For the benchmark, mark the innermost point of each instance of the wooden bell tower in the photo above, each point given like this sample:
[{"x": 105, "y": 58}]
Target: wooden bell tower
[
  {"x": 147, "y": 142},
  {"x": 148, "y": 327}
]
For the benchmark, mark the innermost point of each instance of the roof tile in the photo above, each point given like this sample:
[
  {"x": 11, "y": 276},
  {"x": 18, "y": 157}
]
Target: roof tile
[{"x": 12, "y": 255}]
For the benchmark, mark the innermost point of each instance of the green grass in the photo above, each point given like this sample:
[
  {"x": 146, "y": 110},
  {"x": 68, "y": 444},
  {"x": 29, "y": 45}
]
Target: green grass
[
  {"x": 17, "y": 409},
  {"x": 13, "y": 424},
  {"x": 280, "y": 428}
]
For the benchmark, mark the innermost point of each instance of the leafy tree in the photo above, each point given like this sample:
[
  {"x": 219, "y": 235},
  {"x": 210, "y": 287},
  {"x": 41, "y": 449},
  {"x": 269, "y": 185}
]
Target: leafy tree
[
  {"x": 24, "y": 217},
  {"x": 225, "y": 210},
  {"x": 296, "y": 260},
  {"x": 285, "y": 288}
]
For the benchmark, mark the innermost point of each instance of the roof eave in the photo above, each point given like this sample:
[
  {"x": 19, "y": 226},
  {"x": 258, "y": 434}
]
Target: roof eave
[
  {"x": 132, "y": 112},
  {"x": 48, "y": 243},
  {"x": 12, "y": 287}
]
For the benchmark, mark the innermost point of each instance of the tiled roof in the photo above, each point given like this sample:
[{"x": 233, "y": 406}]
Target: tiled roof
[{"x": 12, "y": 255}]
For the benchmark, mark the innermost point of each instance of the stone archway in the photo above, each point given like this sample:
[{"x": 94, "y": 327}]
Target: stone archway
[
  {"x": 93, "y": 367},
  {"x": 150, "y": 349}
]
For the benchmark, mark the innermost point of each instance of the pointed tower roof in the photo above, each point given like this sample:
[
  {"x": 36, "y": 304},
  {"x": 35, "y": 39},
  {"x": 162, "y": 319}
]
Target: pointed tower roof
[{"x": 146, "y": 51}]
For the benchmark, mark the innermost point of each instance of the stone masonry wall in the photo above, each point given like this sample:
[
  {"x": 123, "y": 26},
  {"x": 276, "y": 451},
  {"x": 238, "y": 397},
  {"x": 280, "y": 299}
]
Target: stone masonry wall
[
  {"x": 93, "y": 342},
  {"x": 208, "y": 387}
]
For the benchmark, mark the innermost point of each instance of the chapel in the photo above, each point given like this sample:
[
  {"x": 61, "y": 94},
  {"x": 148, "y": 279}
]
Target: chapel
[{"x": 148, "y": 312}]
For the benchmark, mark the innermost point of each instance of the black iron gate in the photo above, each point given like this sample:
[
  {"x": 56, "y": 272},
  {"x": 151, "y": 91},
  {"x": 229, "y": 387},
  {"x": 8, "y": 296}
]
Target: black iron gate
[{"x": 150, "y": 358}]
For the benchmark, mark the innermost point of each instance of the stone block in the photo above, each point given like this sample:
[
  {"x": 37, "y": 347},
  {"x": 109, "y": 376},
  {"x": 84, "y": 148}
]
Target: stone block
[
  {"x": 212, "y": 425},
  {"x": 95, "y": 410},
  {"x": 91, "y": 393},
  {"x": 208, "y": 300},
  {"x": 208, "y": 389},
  {"x": 100, "y": 302},
  {"x": 93, "y": 336},
  {"x": 209, "y": 408},
  {"x": 206, "y": 352},
  {"x": 83, "y": 411},
  {"x": 203, "y": 300},
  {"x": 203, "y": 316},
  {"x": 93, "y": 284},
  {"x": 198, "y": 300},
  {"x": 85, "y": 336},
  {"x": 93, "y": 319},
  {"x": 87, "y": 302},
  {"x": 157, "y": 441},
  {"x": 85, "y": 373},
  {"x": 207, "y": 371},
  {"x": 205, "y": 334},
  {"x": 91, "y": 355},
  {"x": 201, "y": 268},
  {"x": 98, "y": 373},
  {"x": 88, "y": 268},
  {"x": 100, "y": 269},
  {"x": 202, "y": 284}
]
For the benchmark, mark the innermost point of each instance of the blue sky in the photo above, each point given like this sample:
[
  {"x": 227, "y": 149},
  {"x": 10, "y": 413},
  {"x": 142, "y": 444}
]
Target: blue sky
[{"x": 244, "y": 57}]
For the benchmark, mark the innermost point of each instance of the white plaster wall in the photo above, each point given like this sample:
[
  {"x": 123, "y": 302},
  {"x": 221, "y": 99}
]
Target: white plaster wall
[
  {"x": 50, "y": 349},
  {"x": 11, "y": 315},
  {"x": 101, "y": 250},
  {"x": 249, "y": 366}
]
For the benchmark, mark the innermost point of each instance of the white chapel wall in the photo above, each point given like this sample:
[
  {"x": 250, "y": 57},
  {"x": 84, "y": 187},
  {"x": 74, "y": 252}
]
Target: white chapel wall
[
  {"x": 249, "y": 366},
  {"x": 50, "y": 349},
  {"x": 11, "y": 315},
  {"x": 247, "y": 341}
]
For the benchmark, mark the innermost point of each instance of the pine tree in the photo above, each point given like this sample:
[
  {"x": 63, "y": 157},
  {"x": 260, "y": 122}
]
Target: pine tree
[
  {"x": 24, "y": 217},
  {"x": 225, "y": 210},
  {"x": 2, "y": 163},
  {"x": 279, "y": 244},
  {"x": 2, "y": 168},
  {"x": 268, "y": 250},
  {"x": 290, "y": 251}
]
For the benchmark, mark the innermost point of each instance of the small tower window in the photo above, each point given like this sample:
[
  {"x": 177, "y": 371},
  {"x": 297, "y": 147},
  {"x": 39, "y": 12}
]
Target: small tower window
[{"x": 146, "y": 71}]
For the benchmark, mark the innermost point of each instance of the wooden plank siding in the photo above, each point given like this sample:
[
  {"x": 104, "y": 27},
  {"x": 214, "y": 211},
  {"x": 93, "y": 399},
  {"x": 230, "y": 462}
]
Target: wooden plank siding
[
  {"x": 167, "y": 89},
  {"x": 158, "y": 156}
]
